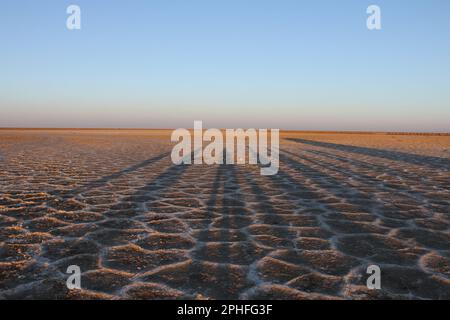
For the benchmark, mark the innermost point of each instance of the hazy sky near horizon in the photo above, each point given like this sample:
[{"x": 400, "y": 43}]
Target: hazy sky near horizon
[{"x": 286, "y": 64}]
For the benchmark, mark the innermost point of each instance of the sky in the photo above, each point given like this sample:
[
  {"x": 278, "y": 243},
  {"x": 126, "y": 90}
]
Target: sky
[{"x": 288, "y": 64}]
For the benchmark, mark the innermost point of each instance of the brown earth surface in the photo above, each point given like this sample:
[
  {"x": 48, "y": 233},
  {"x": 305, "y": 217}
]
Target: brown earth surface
[{"x": 139, "y": 227}]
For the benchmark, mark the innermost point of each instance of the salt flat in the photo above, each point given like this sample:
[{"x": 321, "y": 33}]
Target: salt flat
[{"x": 139, "y": 227}]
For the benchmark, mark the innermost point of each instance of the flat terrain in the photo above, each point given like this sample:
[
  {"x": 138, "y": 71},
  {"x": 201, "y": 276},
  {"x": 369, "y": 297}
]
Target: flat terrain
[{"x": 111, "y": 202}]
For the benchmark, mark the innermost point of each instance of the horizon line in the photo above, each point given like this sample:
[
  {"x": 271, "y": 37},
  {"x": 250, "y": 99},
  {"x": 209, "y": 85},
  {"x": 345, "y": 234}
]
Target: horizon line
[{"x": 281, "y": 130}]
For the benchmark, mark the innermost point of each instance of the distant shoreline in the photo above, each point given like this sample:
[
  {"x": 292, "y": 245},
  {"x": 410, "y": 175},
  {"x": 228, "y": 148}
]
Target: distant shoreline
[{"x": 281, "y": 131}]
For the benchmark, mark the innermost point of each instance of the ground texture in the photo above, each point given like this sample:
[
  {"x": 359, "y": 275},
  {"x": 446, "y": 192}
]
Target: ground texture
[{"x": 139, "y": 227}]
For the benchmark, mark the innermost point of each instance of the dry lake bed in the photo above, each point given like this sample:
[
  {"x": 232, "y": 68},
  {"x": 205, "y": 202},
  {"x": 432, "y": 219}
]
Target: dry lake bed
[{"x": 139, "y": 227}]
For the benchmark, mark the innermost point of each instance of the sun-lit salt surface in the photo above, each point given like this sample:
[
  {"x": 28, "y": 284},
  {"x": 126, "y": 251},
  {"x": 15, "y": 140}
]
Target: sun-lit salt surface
[{"x": 139, "y": 227}]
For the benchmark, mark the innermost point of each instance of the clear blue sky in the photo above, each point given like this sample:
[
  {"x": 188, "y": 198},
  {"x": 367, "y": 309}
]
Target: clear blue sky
[{"x": 286, "y": 64}]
